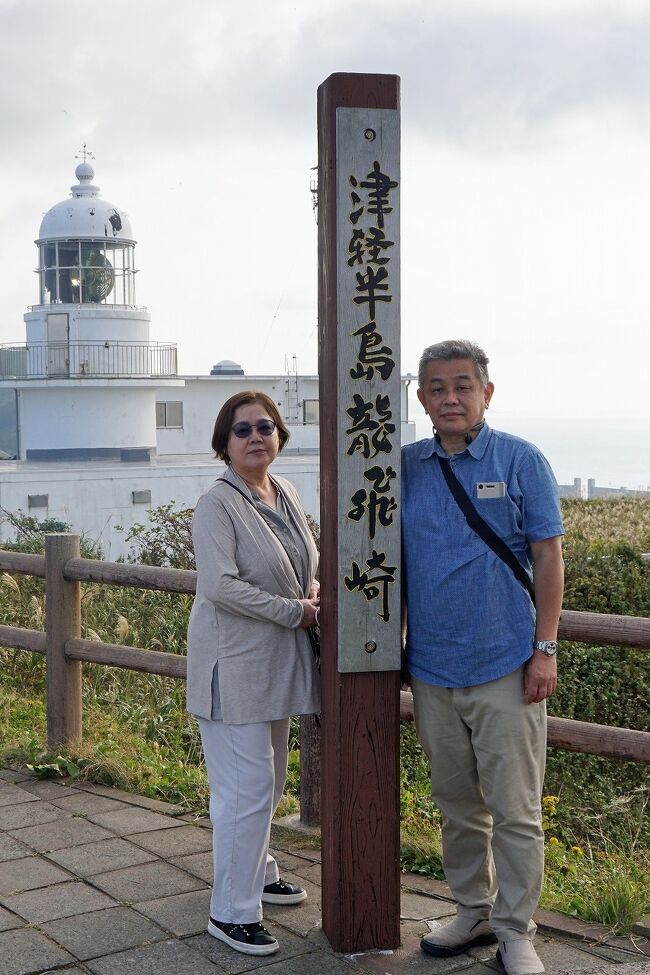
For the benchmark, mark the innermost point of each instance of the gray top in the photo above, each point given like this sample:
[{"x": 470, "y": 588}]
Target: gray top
[
  {"x": 248, "y": 659},
  {"x": 281, "y": 522}
]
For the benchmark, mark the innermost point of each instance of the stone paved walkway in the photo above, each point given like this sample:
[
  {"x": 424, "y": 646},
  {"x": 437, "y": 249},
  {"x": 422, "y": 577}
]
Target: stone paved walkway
[{"x": 93, "y": 880}]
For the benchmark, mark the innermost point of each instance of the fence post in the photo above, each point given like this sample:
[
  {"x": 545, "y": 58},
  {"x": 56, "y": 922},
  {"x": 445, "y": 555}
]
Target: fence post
[
  {"x": 309, "y": 770},
  {"x": 62, "y": 623}
]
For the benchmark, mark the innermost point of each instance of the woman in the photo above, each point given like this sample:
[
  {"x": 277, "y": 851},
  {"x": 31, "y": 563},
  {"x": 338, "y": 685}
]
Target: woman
[{"x": 250, "y": 665}]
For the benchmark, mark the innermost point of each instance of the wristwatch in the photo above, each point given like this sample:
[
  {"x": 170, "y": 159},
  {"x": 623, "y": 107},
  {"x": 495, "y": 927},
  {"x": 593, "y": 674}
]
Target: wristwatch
[{"x": 549, "y": 647}]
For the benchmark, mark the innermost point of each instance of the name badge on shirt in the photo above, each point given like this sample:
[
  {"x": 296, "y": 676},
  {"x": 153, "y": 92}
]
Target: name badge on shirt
[{"x": 491, "y": 489}]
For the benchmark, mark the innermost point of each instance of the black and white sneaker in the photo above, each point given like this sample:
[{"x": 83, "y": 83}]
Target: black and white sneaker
[
  {"x": 250, "y": 939},
  {"x": 283, "y": 893}
]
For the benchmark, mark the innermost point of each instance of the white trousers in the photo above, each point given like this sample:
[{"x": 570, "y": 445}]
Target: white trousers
[
  {"x": 247, "y": 770},
  {"x": 487, "y": 749}
]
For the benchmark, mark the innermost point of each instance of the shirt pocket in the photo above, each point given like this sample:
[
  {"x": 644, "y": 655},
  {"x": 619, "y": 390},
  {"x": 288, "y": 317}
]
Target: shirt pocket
[{"x": 501, "y": 514}]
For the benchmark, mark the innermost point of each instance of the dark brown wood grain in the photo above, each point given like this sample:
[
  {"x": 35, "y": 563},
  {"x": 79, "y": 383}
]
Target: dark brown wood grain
[
  {"x": 360, "y": 712},
  {"x": 310, "y": 770}
]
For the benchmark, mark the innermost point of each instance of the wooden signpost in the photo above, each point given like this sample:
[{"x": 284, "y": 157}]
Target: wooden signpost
[{"x": 358, "y": 307}]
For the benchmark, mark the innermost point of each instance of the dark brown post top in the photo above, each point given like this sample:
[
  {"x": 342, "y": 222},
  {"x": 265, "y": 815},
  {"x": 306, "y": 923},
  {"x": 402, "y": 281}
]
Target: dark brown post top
[{"x": 360, "y": 710}]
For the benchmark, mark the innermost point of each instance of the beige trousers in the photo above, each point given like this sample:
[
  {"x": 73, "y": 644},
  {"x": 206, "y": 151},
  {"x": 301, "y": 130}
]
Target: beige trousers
[{"x": 487, "y": 750}]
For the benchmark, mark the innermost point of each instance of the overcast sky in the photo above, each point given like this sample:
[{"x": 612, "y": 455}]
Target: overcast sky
[{"x": 525, "y": 175}]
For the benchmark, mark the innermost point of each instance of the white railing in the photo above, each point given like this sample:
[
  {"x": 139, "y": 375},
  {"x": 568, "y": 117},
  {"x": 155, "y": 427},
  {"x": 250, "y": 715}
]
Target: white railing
[{"x": 82, "y": 360}]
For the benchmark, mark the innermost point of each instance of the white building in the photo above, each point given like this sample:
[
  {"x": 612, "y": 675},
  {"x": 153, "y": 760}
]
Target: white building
[{"x": 95, "y": 424}]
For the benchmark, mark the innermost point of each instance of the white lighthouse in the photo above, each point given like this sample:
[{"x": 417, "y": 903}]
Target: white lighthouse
[
  {"x": 96, "y": 427},
  {"x": 87, "y": 376}
]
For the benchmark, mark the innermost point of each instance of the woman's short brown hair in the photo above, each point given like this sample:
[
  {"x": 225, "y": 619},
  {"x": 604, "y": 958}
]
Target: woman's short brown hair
[{"x": 223, "y": 423}]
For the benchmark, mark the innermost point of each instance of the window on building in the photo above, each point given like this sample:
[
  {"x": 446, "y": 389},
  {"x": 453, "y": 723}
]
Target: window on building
[
  {"x": 310, "y": 411},
  {"x": 169, "y": 414}
]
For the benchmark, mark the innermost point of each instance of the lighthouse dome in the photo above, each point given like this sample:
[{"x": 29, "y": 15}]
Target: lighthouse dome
[{"x": 85, "y": 215}]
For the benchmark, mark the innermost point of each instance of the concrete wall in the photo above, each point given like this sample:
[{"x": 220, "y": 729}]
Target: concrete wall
[
  {"x": 203, "y": 397},
  {"x": 91, "y": 324},
  {"x": 95, "y": 499},
  {"x": 86, "y": 416}
]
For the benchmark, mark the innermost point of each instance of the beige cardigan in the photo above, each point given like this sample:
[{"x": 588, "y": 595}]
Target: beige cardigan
[{"x": 245, "y": 621}]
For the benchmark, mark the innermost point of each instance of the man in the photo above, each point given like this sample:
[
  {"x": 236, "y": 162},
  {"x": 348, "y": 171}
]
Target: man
[{"x": 481, "y": 658}]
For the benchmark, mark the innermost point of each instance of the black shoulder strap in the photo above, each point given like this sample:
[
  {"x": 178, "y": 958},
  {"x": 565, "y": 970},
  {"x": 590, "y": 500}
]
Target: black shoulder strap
[{"x": 482, "y": 529}]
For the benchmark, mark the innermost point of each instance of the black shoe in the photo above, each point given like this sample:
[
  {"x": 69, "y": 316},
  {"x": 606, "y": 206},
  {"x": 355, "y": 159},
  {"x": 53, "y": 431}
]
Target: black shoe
[
  {"x": 283, "y": 893},
  {"x": 250, "y": 939}
]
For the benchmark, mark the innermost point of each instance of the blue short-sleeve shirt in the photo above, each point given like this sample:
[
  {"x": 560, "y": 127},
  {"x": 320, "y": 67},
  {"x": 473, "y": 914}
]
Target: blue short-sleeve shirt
[{"x": 469, "y": 620}]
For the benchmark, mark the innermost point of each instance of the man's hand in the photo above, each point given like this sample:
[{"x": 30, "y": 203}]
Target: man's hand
[{"x": 540, "y": 677}]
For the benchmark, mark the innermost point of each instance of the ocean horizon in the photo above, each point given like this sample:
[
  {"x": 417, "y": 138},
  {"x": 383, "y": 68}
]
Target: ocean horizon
[{"x": 615, "y": 454}]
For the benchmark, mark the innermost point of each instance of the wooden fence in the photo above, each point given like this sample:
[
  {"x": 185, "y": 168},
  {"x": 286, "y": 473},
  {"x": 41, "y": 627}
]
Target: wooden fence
[{"x": 63, "y": 570}]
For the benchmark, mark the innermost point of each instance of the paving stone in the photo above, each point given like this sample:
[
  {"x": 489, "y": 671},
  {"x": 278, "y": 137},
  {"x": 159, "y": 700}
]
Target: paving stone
[
  {"x": 409, "y": 959},
  {"x": 103, "y": 932},
  {"x": 416, "y": 907},
  {"x": 12, "y": 794},
  {"x": 634, "y": 943},
  {"x": 70, "y": 831},
  {"x": 28, "y": 814},
  {"x": 560, "y": 954},
  {"x": 617, "y": 955},
  {"x": 28, "y": 873},
  {"x": 631, "y": 968},
  {"x": 133, "y": 820},
  {"x": 142, "y": 883},
  {"x": 11, "y": 849},
  {"x": 317, "y": 963},
  {"x": 67, "y": 971},
  {"x": 85, "y": 803},
  {"x": 309, "y": 871},
  {"x": 298, "y": 918},
  {"x": 144, "y": 802},
  {"x": 181, "y": 914},
  {"x": 47, "y": 789},
  {"x": 571, "y": 927},
  {"x": 198, "y": 864},
  {"x": 233, "y": 962},
  {"x": 15, "y": 775},
  {"x": 174, "y": 842},
  {"x": 59, "y": 900},
  {"x": 101, "y": 857},
  {"x": 26, "y": 951},
  {"x": 9, "y": 920},
  {"x": 427, "y": 885},
  {"x": 288, "y": 861},
  {"x": 194, "y": 820},
  {"x": 642, "y": 926},
  {"x": 163, "y": 958}
]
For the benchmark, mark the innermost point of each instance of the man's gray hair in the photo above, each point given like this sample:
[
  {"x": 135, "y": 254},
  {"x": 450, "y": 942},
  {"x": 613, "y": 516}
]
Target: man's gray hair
[{"x": 455, "y": 349}]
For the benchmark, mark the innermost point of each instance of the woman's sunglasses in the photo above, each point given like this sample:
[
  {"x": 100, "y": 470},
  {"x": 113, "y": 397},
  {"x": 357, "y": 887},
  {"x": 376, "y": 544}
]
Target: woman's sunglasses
[{"x": 264, "y": 427}]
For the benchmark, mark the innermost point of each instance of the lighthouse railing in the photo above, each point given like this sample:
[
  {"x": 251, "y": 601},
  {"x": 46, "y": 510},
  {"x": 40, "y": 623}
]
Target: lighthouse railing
[{"x": 89, "y": 359}]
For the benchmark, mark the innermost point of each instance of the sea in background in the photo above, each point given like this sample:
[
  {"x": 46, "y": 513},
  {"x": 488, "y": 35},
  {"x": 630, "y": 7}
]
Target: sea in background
[{"x": 614, "y": 452}]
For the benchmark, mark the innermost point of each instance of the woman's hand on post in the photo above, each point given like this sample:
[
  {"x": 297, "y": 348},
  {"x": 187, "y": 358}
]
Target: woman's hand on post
[{"x": 310, "y": 609}]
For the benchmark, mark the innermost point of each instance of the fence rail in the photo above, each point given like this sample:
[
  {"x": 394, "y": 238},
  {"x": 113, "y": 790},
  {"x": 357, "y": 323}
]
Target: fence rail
[
  {"x": 64, "y": 570},
  {"x": 87, "y": 360}
]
